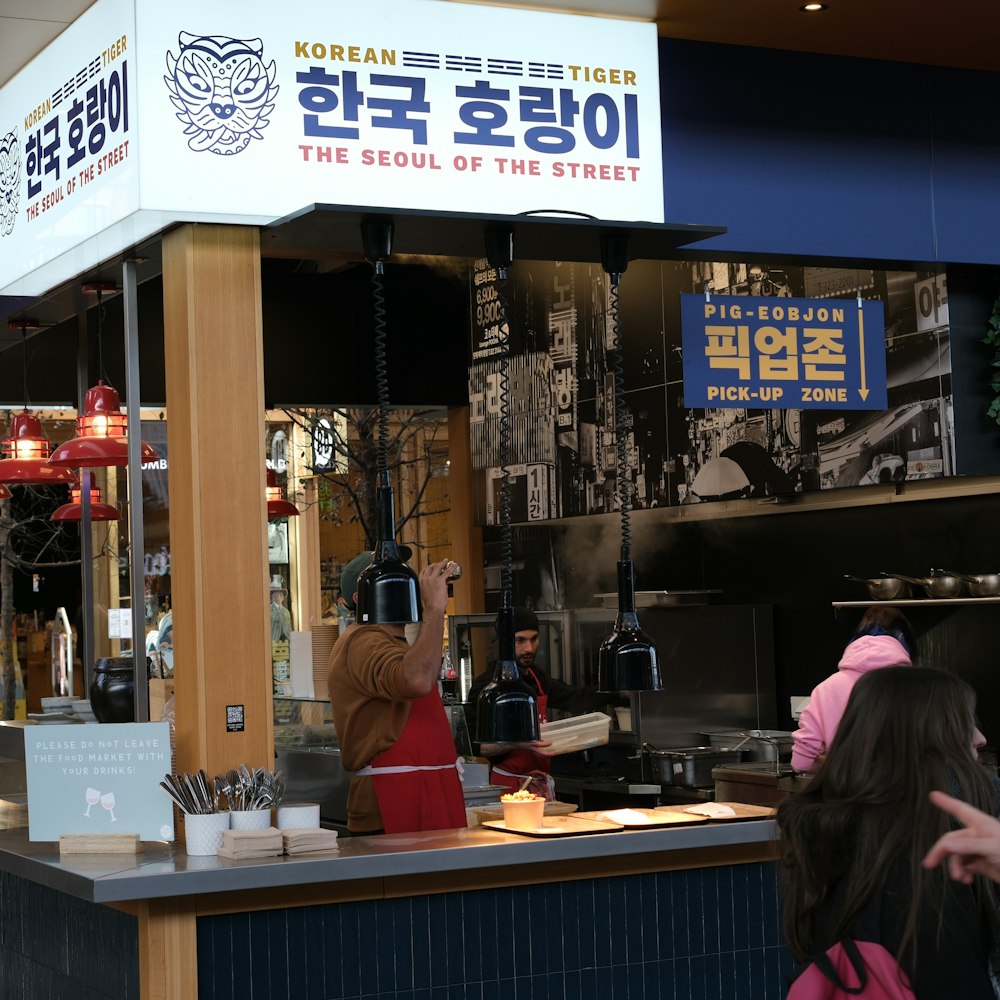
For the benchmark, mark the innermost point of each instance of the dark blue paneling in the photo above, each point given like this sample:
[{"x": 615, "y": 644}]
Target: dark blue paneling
[
  {"x": 608, "y": 937},
  {"x": 824, "y": 156},
  {"x": 962, "y": 106},
  {"x": 56, "y": 946}
]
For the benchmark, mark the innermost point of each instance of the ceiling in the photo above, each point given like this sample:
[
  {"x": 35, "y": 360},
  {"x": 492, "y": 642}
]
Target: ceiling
[{"x": 963, "y": 33}]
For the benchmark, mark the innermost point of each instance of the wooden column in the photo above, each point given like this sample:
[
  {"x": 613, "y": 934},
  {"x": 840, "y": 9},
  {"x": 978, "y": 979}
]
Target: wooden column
[
  {"x": 466, "y": 536},
  {"x": 309, "y": 610},
  {"x": 168, "y": 949},
  {"x": 218, "y": 524}
]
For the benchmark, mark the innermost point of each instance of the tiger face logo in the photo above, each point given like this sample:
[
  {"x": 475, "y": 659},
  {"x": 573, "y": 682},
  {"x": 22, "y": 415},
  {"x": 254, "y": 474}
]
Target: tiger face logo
[
  {"x": 222, "y": 90},
  {"x": 10, "y": 181}
]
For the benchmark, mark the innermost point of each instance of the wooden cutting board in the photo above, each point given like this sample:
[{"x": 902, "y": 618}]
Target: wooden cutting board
[
  {"x": 655, "y": 817},
  {"x": 559, "y": 826},
  {"x": 743, "y": 810}
]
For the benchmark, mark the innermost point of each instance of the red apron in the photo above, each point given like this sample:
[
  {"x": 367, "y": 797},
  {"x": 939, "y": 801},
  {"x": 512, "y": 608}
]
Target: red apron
[
  {"x": 522, "y": 763},
  {"x": 416, "y": 781}
]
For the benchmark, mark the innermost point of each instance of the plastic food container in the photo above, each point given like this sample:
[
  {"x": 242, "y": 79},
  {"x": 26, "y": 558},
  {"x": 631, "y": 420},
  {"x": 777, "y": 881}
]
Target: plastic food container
[{"x": 579, "y": 732}]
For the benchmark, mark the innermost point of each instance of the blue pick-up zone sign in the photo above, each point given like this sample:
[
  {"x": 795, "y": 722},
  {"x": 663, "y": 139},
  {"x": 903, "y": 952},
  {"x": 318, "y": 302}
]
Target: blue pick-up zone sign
[{"x": 761, "y": 352}]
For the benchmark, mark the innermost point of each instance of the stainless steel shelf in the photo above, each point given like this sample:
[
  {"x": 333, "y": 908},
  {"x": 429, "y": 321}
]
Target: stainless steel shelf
[{"x": 913, "y": 602}]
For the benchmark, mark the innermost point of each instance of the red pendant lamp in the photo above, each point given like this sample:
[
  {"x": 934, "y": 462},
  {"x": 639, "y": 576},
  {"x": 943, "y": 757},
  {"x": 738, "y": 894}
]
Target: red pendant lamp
[
  {"x": 24, "y": 452},
  {"x": 101, "y": 436},
  {"x": 277, "y": 505},
  {"x": 101, "y": 430},
  {"x": 73, "y": 511}
]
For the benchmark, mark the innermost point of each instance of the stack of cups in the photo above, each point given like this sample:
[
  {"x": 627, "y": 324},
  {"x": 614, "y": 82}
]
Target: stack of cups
[
  {"x": 299, "y": 816},
  {"x": 250, "y": 819}
]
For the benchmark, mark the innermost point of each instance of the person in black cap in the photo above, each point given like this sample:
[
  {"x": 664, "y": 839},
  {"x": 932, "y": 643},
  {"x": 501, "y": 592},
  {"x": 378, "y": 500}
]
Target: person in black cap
[{"x": 511, "y": 765}]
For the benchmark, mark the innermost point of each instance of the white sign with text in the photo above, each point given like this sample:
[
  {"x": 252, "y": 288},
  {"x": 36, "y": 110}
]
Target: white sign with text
[
  {"x": 98, "y": 779},
  {"x": 143, "y": 113}
]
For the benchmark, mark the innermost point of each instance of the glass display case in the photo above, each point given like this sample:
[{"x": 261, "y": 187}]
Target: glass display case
[
  {"x": 308, "y": 755},
  {"x": 303, "y": 722}
]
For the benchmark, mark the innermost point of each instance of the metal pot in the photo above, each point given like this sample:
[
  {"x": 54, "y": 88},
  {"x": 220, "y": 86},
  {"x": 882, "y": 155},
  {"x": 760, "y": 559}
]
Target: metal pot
[
  {"x": 883, "y": 588},
  {"x": 756, "y": 744},
  {"x": 690, "y": 767},
  {"x": 938, "y": 587},
  {"x": 980, "y": 584}
]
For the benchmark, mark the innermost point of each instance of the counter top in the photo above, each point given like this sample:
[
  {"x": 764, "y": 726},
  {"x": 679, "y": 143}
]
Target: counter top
[{"x": 162, "y": 870}]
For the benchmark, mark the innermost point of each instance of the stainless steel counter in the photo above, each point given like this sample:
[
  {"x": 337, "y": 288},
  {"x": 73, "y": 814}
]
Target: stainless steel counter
[{"x": 162, "y": 870}]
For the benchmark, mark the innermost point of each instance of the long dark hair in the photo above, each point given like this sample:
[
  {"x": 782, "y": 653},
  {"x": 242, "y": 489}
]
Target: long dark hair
[{"x": 905, "y": 731}]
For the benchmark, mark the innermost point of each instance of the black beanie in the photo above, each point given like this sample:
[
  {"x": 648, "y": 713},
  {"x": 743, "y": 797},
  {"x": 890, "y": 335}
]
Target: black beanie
[{"x": 525, "y": 620}]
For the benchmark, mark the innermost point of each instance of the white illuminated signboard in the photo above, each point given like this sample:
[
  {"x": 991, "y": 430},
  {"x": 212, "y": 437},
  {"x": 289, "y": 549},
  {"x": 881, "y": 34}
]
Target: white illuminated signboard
[{"x": 145, "y": 113}]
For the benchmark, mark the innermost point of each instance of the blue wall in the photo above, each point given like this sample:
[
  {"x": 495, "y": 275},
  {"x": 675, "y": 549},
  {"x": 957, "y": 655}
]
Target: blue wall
[{"x": 831, "y": 157}]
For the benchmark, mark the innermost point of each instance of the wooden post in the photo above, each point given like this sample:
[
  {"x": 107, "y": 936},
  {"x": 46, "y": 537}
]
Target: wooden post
[
  {"x": 213, "y": 350},
  {"x": 168, "y": 949},
  {"x": 466, "y": 537}
]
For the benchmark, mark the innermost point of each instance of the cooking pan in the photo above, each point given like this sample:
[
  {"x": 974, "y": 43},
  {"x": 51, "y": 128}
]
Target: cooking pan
[
  {"x": 938, "y": 587},
  {"x": 980, "y": 584},
  {"x": 883, "y": 588}
]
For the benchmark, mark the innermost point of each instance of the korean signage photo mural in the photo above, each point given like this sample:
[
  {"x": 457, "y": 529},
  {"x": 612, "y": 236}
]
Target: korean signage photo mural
[{"x": 741, "y": 380}]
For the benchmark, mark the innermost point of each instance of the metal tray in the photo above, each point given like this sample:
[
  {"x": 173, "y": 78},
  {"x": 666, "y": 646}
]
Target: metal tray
[
  {"x": 659, "y": 598},
  {"x": 650, "y": 818},
  {"x": 559, "y": 826}
]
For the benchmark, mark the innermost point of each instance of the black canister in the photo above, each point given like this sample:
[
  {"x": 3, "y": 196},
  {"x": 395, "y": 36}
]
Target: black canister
[{"x": 112, "y": 691}]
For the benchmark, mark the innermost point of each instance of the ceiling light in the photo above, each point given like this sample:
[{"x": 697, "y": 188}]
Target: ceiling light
[
  {"x": 388, "y": 592},
  {"x": 277, "y": 505},
  {"x": 73, "y": 511},
  {"x": 811, "y": 8},
  {"x": 101, "y": 437},
  {"x": 24, "y": 453}
]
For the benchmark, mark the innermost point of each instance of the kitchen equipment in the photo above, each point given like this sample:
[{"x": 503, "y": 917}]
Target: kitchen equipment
[
  {"x": 938, "y": 587},
  {"x": 659, "y": 598},
  {"x": 883, "y": 588},
  {"x": 690, "y": 766},
  {"x": 756, "y": 744},
  {"x": 758, "y": 782},
  {"x": 979, "y": 584}
]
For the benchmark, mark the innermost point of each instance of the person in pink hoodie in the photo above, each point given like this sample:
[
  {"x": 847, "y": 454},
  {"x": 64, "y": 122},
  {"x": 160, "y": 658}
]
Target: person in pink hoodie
[{"x": 883, "y": 639}]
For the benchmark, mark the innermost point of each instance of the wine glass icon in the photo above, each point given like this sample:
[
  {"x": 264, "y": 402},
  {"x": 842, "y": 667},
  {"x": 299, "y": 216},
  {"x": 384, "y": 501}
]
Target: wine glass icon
[
  {"x": 93, "y": 797},
  {"x": 108, "y": 802}
]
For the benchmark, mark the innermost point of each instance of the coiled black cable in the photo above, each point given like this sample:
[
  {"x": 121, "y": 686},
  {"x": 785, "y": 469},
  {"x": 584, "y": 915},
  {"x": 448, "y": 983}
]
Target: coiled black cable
[
  {"x": 619, "y": 373},
  {"x": 381, "y": 373},
  {"x": 506, "y": 545}
]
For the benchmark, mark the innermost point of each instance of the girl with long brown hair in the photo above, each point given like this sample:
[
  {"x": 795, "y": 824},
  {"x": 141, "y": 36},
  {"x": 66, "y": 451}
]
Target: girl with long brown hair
[{"x": 853, "y": 841}]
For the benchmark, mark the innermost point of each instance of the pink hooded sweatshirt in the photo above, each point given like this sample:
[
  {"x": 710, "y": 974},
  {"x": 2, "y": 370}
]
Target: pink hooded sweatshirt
[{"x": 820, "y": 719}]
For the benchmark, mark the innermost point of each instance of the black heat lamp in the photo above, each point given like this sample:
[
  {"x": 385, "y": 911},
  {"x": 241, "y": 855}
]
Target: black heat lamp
[
  {"x": 388, "y": 593},
  {"x": 627, "y": 660},
  {"x": 506, "y": 711}
]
